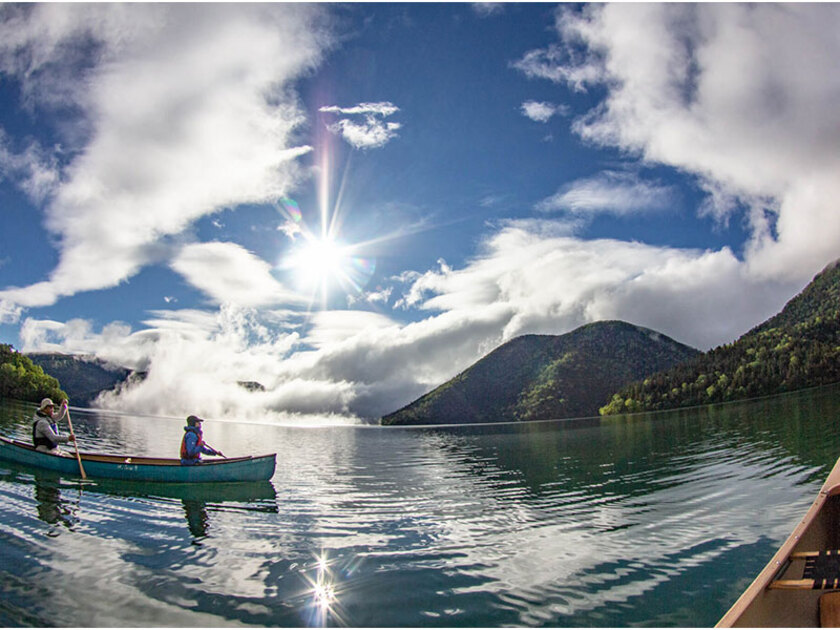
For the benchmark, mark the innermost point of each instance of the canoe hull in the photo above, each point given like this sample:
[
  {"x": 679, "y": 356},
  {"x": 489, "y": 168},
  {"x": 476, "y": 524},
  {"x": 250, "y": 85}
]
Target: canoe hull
[
  {"x": 129, "y": 468},
  {"x": 766, "y": 603}
]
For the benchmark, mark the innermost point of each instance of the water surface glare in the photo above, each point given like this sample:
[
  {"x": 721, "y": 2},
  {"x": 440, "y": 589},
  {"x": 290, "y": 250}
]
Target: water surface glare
[{"x": 652, "y": 520}]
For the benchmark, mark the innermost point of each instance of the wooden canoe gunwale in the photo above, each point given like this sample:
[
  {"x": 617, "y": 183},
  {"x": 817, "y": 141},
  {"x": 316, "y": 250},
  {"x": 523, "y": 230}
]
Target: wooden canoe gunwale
[
  {"x": 129, "y": 467},
  {"x": 782, "y": 559}
]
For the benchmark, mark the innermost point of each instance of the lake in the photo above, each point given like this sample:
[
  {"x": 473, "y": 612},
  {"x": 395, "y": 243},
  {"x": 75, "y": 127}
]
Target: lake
[{"x": 649, "y": 520}]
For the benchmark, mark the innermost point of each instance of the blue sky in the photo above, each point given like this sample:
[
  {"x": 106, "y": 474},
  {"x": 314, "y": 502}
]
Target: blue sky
[{"x": 352, "y": 203}]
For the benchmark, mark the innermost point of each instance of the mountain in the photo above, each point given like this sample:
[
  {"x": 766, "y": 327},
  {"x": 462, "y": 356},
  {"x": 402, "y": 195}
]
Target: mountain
[
  {"x": 536, "y": 377},
  {"x": 799, "y": 347},
  {"x": 83, "y": 378}
]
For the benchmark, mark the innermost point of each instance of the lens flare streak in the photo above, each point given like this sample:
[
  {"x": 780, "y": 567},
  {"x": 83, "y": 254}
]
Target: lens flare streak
[{"x": 320, "y": 262}]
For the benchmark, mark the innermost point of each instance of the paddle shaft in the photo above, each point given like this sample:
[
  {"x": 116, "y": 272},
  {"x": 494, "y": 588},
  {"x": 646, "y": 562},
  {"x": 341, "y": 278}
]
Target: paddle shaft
[
  {"x": 76, "y": 444},
  {"x": 218, "y": 452}
]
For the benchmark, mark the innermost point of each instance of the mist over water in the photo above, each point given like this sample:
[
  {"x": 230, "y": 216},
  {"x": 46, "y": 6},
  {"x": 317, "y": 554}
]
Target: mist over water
[{"x": 657, "y": 520}]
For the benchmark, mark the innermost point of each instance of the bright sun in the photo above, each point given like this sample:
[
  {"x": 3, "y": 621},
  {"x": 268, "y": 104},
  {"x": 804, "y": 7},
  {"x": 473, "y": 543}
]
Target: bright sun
[
  {"x": 320, "y": 264},
  {"x": 320, "y": 260}
]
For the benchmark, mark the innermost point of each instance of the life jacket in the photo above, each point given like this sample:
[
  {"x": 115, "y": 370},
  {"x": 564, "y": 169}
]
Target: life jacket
[
  {"x": 200, "y": 443},
  {"x": 42, "y": 440}
]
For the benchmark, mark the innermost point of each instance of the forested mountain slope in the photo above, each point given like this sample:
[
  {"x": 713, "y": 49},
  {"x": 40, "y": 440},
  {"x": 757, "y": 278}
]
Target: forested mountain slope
[
  {"x": 799, "y": 347},
  {"x": 83, "y": 378},
  {"x": 537, "y": 377}
]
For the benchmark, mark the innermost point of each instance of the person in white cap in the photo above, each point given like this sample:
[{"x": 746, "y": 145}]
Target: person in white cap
[{"x": 45, "y": 435}]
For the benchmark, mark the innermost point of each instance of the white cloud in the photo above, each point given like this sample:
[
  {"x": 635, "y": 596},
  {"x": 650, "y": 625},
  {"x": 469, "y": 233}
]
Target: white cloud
[
  {"x": 227, "y": 272},
  {"x": 34, "y": 170},
  {"x": 540, "y": 111},
  {"x": 369, "y": 133},
  {"x": 378, "y": 296},
  {"x": 487, "y": 9},
  {"x": 547, "y": 283},
  {"x": 383, "y": 109},
  {"x": 679, "y": 82},
  {"x": 610, "y": 192},
  {"x": 331, "y": 327},
  {"x": 530, "y": 277},
  {"x": 742, "y": 96},
  {"x": 9, "y": 312},
  {"x": 198, "y": 92},
  {"x": 75, "y": 336}
]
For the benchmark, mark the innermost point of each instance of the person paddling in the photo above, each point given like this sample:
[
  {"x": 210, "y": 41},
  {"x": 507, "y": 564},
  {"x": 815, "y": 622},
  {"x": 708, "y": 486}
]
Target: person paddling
[
  {"x": 45, "y": 435},
  {"x": 192, "y": 444}
]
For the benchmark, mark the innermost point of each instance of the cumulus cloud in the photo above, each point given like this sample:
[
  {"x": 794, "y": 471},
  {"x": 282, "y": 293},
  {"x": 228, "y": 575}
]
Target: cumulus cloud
[
  {"x": 540, "y": 111},
  {"x": 227, "y": 272},
  {"x": 371, "y": 131},
  {"x": 550, "y": 284},
  {"x": 199, "y": 94},
  {"x": 610, "y": 192},
  {"x": 742, "y": 96}
]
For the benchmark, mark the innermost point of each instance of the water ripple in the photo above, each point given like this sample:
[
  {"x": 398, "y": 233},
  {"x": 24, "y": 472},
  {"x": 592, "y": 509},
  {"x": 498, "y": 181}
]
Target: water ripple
[{"x": 638, "y": 521}]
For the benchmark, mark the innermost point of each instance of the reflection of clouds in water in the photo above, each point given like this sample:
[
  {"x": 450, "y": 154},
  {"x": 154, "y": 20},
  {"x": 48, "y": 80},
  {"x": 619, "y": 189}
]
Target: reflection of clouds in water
[
  {"x": 369, "y": 524},
  {"x": 441, "y": 501},
  {"x": 597, "y": 543}
]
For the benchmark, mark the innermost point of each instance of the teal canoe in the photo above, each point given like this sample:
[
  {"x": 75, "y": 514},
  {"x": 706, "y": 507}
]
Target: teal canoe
[{"x": 131, "y": 468}]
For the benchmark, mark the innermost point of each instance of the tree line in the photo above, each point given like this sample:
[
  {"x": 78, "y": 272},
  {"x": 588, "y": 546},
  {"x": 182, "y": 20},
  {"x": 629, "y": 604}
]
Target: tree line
[
  {"x": 767, "y": 360},
  {"x": 21, "y": 379}
]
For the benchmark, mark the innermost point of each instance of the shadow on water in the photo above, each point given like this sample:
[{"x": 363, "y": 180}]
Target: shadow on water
[{"x": 198, "y": 500}]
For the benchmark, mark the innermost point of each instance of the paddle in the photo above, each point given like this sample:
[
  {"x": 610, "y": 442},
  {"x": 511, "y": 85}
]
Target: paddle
[
  {"x": 218, "y": 452},
  {"x": 76, "y": 443}
]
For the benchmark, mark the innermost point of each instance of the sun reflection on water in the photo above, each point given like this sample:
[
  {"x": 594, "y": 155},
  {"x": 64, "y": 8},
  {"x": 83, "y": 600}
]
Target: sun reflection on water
[{"x": 324, "y": 605}]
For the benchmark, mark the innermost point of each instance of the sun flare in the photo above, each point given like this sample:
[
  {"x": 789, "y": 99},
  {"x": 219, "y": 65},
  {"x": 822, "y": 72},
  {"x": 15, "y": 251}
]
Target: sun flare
[
  {"x": 320, "y": 265},
  {"x": 319, "y": 260}
]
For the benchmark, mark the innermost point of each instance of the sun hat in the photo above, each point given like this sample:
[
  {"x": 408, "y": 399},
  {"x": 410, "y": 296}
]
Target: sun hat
[{"x": 46, "y": 403}]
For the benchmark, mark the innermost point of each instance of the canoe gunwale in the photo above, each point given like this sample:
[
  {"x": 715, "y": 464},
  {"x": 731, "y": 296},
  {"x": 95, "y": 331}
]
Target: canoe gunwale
[{"x": 782, "y": 558}]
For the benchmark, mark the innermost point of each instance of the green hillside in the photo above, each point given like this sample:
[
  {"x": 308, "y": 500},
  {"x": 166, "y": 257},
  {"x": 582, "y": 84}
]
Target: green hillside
[
  {"x": 798, "y": 348},
  {"x": 537, "y": 377},
  {"x": 20, "y": 378}
]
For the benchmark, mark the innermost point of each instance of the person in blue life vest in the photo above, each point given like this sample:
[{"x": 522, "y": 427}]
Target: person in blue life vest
[
  {"x": 45, "y": 435},
  {"x": 192, "y": 444}
]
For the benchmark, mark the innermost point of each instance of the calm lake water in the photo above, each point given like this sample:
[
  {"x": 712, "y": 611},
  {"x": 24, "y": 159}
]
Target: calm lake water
[{"x": 650, "y": 520}]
